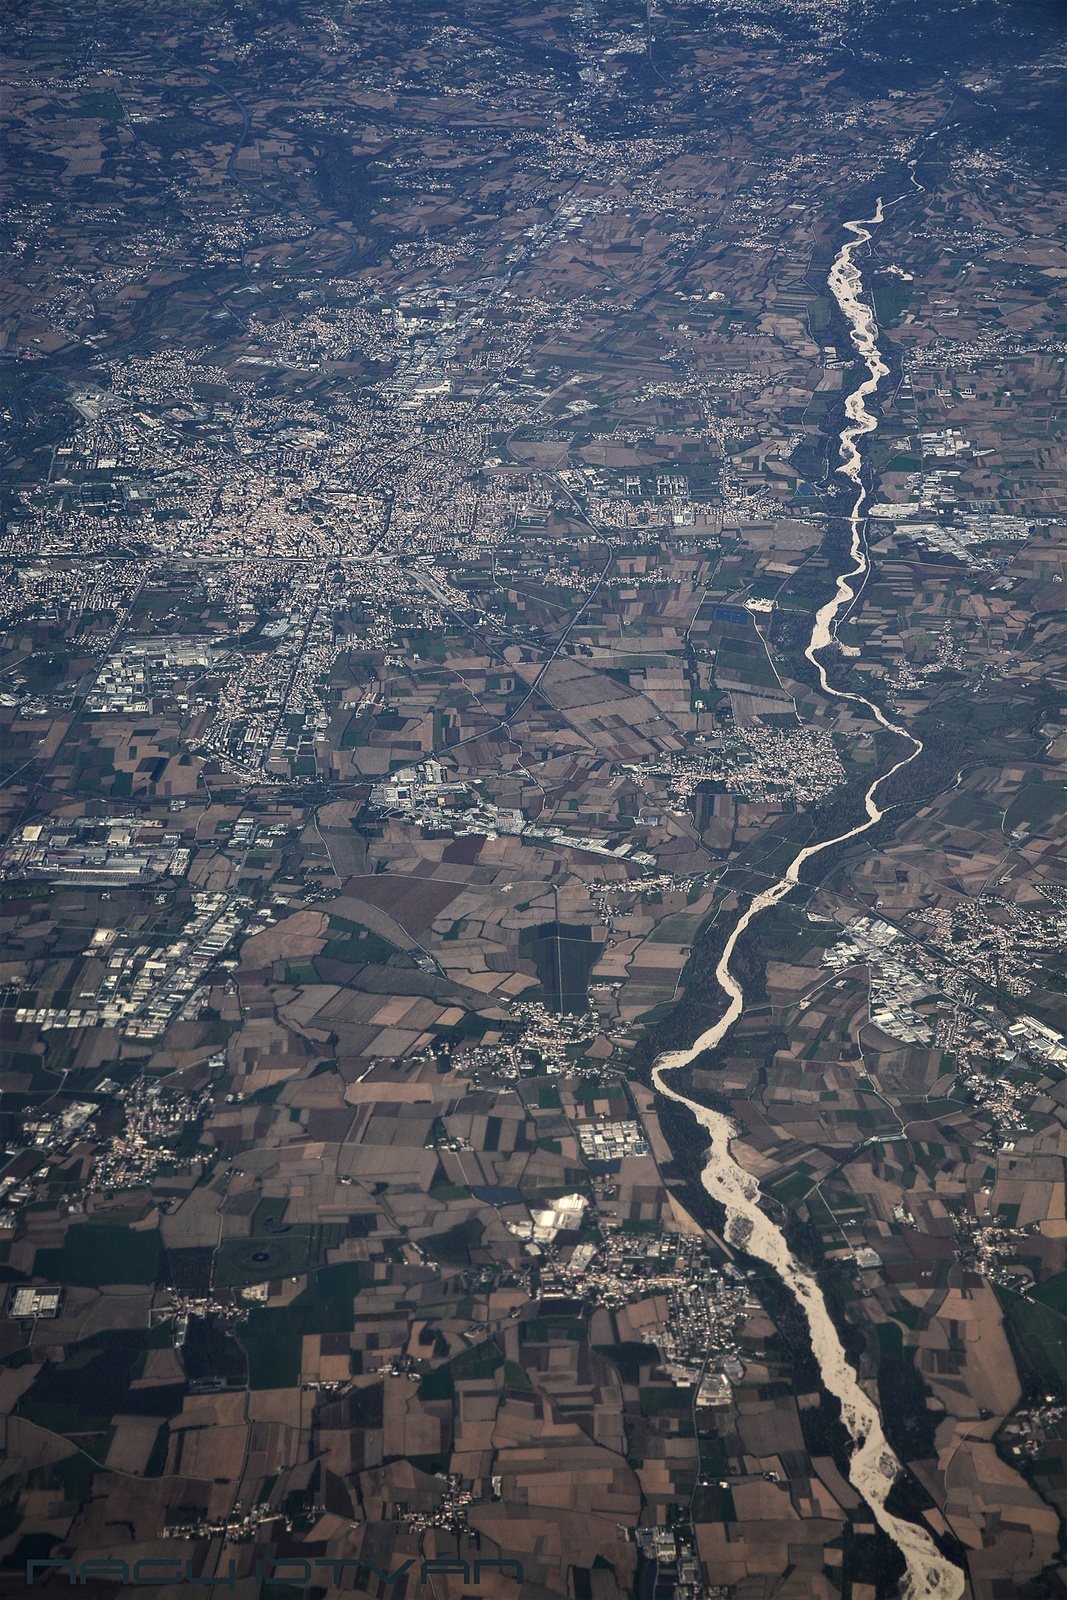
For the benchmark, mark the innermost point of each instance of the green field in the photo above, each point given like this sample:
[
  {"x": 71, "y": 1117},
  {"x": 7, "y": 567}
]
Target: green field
[
  {"x": 1035, "y": 803},
  {"x": 755, "y": 670},
  {"x": 350, "y": 941},
  {"x": 967, "y": 811},
  {"x": 657, "y": 1400},
  {"x": 274, "y": 1363},
  {"x": 241, "y": 1261},
  {"x": 97, "y": 1253},
  {"x": 83, "y": 1392},
  {"x": 325, "y": 1306},
  {"x": 682, "y": 928},
  {"x": 1053, "y": 1293},
  {"x": 1039, "y": 1336}
]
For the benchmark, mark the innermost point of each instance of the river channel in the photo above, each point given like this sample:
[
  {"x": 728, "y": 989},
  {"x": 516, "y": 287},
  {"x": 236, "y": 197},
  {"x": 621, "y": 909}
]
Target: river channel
[{"x": 873, "y": 1467}]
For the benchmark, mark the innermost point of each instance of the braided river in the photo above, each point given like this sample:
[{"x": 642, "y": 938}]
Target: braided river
[{"x": 873, "y": 1467}]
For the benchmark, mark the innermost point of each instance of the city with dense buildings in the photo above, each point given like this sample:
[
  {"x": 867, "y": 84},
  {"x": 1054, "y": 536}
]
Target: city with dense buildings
[{"x": 424, "y": 437}]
